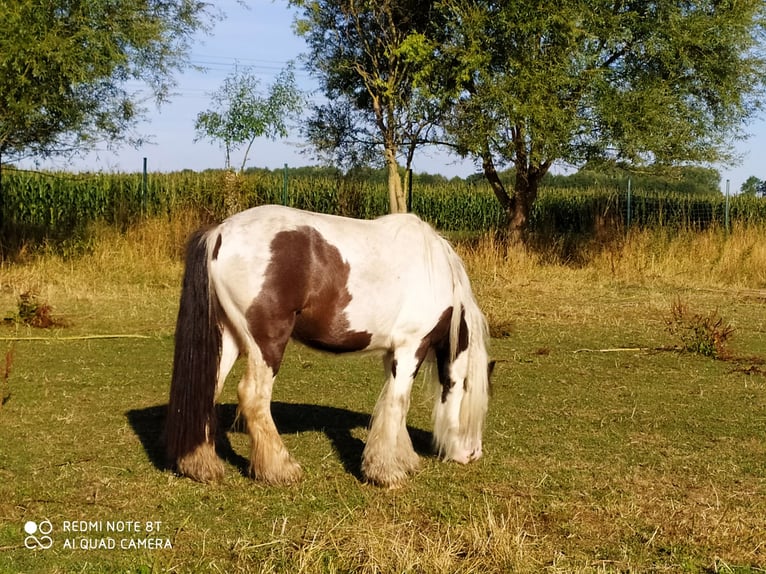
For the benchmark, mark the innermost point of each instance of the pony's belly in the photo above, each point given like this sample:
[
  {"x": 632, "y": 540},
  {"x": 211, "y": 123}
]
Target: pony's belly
[{"x": 334, "y": 335}]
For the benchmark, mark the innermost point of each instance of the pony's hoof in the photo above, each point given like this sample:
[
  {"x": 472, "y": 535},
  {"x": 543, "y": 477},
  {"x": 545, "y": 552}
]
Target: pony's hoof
[
  {"x": 290, "y": 472},
  {"x": 388, "y": 475},
  {"x": 465, "y": 456},
  {"x": 202, "y": 464}
]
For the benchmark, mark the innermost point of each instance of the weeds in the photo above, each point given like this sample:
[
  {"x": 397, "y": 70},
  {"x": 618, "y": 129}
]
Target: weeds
[
  {"x": 705, "y": 335},
  {"x": 35, "y": 313}
]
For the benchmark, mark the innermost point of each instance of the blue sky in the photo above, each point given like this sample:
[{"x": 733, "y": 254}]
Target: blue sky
[{"x": 260, "y": 36}]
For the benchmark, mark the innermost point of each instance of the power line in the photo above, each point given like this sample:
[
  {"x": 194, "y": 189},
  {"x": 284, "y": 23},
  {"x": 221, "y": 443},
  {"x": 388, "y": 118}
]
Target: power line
[{"x": 229, "y": 59}]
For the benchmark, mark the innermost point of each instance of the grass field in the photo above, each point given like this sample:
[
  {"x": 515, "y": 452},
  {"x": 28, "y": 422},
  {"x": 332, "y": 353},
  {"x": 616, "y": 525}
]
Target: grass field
[{"x": 605, "y": 448}]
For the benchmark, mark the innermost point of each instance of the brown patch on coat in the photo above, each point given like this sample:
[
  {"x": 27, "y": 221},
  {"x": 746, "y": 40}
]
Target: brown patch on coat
[
  {"x": 438, "y": 340},
  {"x": 304, "y": 295}
]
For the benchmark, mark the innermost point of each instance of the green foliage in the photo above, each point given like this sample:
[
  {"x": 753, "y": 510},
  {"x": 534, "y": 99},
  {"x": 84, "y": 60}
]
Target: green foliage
[
  {"x": 753, "y": 186},
  {"x": 684, "y": 179},
  {"x": 642, "y": 82},
  {"x": 240, "y": 114},
  {"x": 63, "y": 68},
  {"x": 360, "y": 52}
]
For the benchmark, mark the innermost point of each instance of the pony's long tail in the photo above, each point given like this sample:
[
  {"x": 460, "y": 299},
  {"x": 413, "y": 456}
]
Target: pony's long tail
[{"x": 191, "y": 417}]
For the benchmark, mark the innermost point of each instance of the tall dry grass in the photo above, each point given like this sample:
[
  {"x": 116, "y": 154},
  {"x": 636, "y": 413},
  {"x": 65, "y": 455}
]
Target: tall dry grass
[
  {"x": 120, "y": 282},
  {"x": 544, "y": 276},
  {"x": 149, "y": 254},
  {"x": 713, "y": 257},
  {"x": 150, "y": 251}
]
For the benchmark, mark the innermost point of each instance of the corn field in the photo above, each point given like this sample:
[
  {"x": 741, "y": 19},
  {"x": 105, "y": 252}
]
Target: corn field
[{"x": 38, "y": 207}]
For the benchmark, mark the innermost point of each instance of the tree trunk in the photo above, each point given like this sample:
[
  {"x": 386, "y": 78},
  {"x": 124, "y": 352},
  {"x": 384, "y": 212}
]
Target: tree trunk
[
  {"x": 517, "y": 207},
  {"x": 524, "y": 195},
  {"x": 493, "y": 178},
  {"x": 385, "y": 119},
  {"x": 397, "y": 200}
]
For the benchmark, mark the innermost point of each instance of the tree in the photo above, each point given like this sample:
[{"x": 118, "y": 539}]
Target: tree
[
  {"x": 356, "y": 49},
  {"x": 241, "y": 114},
  {"x": 751, "y": 186},
  {"x": 680, "y": 179},
  {"x": 64, "y": 65},
  {"x": 665, "y": 82}
]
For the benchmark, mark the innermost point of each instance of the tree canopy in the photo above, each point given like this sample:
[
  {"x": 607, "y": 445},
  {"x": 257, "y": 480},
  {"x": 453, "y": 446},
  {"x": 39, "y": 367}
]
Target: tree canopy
[
  {"x": 662, "y": 82},
  {"x": 666, "y": 82},
  {"x": 240, "y": 114},
  {"x": 356, "y": 52},
  {"x": 753, "y": 186},
  {"x": 65, "y": 64}
]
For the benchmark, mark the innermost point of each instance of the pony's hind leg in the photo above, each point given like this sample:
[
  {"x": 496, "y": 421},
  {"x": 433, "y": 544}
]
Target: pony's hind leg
[
  {"x": 229, "y": 356},
  {"x": 388, "y": 456},
  {"x": 203, "y": 464},
  {"x": 269, "y": 459}
]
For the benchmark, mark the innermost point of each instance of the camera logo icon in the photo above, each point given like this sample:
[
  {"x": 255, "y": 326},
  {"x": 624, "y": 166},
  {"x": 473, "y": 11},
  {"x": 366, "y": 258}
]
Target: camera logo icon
[{"x": 38, "y": 535}]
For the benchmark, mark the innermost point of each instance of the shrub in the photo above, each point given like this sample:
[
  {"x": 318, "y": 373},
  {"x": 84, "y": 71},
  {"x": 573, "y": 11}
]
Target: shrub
[
  {"x": 706, "y": 335},
  {"x": 34, "y": 313}
]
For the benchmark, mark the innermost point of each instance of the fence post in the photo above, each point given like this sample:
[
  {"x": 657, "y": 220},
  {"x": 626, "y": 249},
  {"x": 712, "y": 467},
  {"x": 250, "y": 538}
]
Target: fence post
[
  {"x": 627, "y": 228},
  {"x": 726, "y": 212},
  {"x": 284, "y": 186},
  {"x": 143, "y": 190}
]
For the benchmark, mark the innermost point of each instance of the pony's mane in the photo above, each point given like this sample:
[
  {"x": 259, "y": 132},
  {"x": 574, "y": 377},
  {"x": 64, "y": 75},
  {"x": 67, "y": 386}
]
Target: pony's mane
[{"x": 466, "y": 307}]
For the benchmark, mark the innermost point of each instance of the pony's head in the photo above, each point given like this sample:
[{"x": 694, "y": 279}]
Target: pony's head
[{"x": 461, "y": 407}]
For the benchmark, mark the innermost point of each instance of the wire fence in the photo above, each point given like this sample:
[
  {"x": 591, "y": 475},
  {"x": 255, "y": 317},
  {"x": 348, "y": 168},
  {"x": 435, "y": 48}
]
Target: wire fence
[
  {"x": 587, "y": 210},
  {"x": 40, "y": 207}
]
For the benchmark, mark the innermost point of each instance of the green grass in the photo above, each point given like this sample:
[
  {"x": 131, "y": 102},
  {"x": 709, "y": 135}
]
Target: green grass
[{"x": 597, "y": 458}]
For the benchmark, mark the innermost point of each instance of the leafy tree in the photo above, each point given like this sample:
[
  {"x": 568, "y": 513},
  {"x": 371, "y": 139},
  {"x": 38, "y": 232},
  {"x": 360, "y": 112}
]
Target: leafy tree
[
  {"x": 356, "y": 49},
  {"x": 751, "y": 186},
  {"x": 663, "y": 82},
  {"x": 241, "y": 114},
  {"x": 683, "y": 179},
  {"x": 64, "y": 65}
]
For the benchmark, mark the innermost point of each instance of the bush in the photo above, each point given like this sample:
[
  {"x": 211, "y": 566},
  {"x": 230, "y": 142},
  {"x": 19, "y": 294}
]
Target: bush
[{"x": 706, "y": 335}]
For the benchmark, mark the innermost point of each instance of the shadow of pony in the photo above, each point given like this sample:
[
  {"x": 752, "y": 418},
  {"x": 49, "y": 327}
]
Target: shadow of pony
[{"x": 291, "y": 418}]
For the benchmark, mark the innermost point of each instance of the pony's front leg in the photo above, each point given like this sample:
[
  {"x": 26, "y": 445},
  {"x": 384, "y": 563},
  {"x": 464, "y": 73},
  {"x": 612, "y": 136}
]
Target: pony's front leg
[
  {"x": 452, "y": 440},
  {"x": 269, "y": 459},
  {"x": 388, "y": 456},
  {"x": 447, "y": 426}
]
